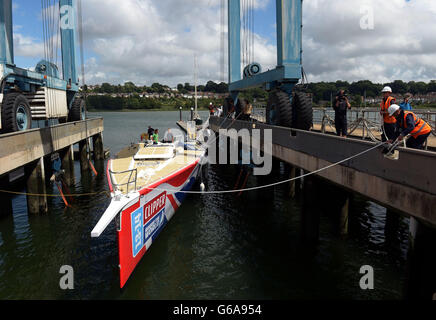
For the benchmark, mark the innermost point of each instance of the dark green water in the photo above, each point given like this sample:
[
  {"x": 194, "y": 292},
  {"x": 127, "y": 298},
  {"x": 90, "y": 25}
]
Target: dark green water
[{"x": 215, "y": 247}]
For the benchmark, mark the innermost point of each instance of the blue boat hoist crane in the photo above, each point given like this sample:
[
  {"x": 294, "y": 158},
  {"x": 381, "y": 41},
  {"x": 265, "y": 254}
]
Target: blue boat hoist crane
[
  {"x": 286, "y": 107},
  {"x": 40, "y": 94}
]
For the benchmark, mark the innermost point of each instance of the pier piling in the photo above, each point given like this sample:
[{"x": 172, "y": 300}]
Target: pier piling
[
  {"x": 67, "y": 158},
  {"x": 310, "y": 214},
  {"x": 392, "y": 225},
  {"x": 83, "y": 156},
  {"x": 5, "y": 199},
  {"x": 343, "y": 217},
  {"x": 421, "y": 264},
  {"x": 97, "y": 142},
  {"x": 292, "y": 184},
  {"x": 35, "y": 182}
]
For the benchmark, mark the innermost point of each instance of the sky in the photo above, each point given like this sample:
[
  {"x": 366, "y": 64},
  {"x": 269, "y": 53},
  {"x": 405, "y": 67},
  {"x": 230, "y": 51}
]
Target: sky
[{"x": 146, "y": 41}]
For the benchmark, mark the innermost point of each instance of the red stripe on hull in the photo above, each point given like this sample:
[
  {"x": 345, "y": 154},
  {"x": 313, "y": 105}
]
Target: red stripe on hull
[
  {"x": 127, "y": 262},
  {"x": 177, "y": 182}
]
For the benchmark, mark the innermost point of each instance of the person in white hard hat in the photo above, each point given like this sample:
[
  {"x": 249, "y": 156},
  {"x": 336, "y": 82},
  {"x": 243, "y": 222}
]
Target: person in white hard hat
[
  {"x": 211, "y": 109},
  {"x": 409, "y": 124},
  {"x": 389, "y": 125}
]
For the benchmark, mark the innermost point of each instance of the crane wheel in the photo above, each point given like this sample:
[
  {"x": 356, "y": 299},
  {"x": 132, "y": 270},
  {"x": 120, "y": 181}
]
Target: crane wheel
[
  {"x": 302, "y": 111},
  {"x": 77, "y": 111},
  {"x": 281, "y": 111},
  {"x": 16, "y": 113}
]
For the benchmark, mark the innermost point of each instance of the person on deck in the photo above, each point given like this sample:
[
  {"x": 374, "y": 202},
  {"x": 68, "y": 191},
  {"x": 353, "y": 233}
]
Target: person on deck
[
  {"x": 169, "y": 138},
  {"x": 156, "y": 136},
  {"x": 150, "y": 131},
  {"x": 389, "y": 125},
  {"x": 408, "y": 123}
]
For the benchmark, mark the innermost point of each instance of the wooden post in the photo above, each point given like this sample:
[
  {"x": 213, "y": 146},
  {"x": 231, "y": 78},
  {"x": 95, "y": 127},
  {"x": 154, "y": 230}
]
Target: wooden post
[
  {"x": 392, "y": 225},
  {"x": 83, "y": 156},
  {"x": 310, "y": 213},
  {"x": 298, "y": 182},
  {"x": 180, "y": 111},
  {"x": 35, "y": 176},
  {"x": 97, "y": 142},
  {"x": 5, "y": 198},
  {"x": 275, "y": 167},
  {"x": 421, "y": 263},
  {"x": 292, "y": 175},
  {"x": 343, "y": 218},
  {"x": 67, "y": 158}
]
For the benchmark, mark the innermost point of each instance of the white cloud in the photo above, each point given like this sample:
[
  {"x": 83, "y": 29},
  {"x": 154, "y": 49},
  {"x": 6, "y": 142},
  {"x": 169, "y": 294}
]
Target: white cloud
[
  {"x": 400, "y": 46},
  {"x": 147, "y": 41},
  {"x": 27, "y": 47},
  {"x": 155, "y": 41}
]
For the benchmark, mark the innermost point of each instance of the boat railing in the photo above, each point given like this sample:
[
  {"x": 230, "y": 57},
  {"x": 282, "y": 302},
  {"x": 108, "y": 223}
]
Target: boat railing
[{"x": 133, "y": 176}]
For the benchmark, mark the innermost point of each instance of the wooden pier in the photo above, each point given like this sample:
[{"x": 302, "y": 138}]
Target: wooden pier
[
  {"x": 29, "y": 149},
  {"x": 394, "y": 184},
  {"x": 404, "y": 186}
]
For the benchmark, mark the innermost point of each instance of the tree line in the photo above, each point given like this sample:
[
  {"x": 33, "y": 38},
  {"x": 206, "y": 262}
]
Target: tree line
[
  {"x": 321, "y": 91},
  {"x": 324, "y": 90},
  {"x": 130, "y": 87},
  {"x": 135, "y": 102}
]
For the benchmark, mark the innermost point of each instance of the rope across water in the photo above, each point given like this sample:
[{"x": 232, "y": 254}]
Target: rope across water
[{"x": 223, "y": 191}]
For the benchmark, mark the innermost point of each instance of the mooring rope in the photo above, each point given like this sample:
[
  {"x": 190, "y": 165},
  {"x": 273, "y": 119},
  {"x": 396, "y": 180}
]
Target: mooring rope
[
  {"x": 280, "y": 182},
  {"x": 54, "y": 195},
  {"x": 217, "y": 191}
]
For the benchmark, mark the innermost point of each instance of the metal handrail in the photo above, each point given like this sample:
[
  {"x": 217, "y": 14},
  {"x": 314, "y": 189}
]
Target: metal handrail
[
  {"x": 367, "y": 119},
  {"x": 116, "y": 185}
]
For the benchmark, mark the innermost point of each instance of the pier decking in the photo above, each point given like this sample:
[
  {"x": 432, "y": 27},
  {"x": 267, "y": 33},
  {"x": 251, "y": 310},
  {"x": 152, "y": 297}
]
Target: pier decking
[
  {"x": 21, "y": 148},
  {"x": 28, "y": 149}
]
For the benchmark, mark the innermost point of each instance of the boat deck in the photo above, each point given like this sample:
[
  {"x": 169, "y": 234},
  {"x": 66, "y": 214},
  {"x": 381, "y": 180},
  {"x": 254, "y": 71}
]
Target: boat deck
[{"x": 138, "y": 165}]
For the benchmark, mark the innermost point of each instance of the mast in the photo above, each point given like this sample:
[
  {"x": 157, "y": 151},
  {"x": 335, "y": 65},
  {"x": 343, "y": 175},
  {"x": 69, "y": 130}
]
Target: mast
[{"x": 195, "y": 84}]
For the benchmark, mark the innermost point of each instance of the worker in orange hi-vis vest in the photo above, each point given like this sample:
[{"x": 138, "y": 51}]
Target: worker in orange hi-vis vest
[
  {"x": 409, "y": 124},
  {"x": 389, "y": 123}
]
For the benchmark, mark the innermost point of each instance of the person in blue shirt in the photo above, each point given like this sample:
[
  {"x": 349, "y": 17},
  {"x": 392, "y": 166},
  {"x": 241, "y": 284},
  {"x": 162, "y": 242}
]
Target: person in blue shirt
[{"x": 405, "y": 105}]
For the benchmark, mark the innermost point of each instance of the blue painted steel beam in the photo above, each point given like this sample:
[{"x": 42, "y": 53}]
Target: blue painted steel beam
[
  {"x": 6, "y": 39},
  {"x": 14, "y": 74},
  {"x": 289, "y": 49},
  {"x": 234, "y": 33},
  {"x": 68, "y": 24},
  {"x": 289, "y": 24},
  {"x": 268, "y": 77}
]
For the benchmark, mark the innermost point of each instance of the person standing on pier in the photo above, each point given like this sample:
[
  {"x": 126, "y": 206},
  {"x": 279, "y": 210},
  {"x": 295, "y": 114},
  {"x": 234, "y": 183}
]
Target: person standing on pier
[
  {"x": 211, "y": 109},
  {"x": 408, "y": 123},
  {"x": 341, "y": 105},
  {"x": 246, "y": 110},
  {"x": 389, "y": 122},
  {"x": 405, "y": 105}
]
